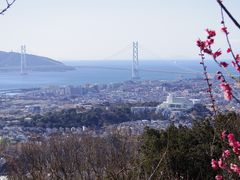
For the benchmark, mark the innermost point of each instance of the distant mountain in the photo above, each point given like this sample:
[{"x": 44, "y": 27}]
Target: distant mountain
[{"x": 11, "y": 61}]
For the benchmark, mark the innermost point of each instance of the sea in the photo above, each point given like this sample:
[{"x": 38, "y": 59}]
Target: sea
[{"x": 90, "y": 73}]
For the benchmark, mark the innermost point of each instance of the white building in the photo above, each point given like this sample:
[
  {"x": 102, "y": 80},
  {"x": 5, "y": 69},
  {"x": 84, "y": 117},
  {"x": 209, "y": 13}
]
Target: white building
[{"x": 176, "y": 104}]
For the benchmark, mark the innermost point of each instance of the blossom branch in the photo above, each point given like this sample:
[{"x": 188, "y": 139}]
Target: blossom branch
[
  {"x": 206, "y": 48},
  {"x": 228, "y": 163},
  {"x": 208, "y": 82},
  {"x": 222, "y": 65},
  {"x": 228, "y": 94},
  {"x": 230, "y": 50},
  {"x": 9, "y": 4}
]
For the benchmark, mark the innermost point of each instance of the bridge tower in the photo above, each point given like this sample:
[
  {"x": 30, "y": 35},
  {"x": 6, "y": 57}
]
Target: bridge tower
[
  {"x": 135, "y": 62},
  {"x": 23, "y": 60}
]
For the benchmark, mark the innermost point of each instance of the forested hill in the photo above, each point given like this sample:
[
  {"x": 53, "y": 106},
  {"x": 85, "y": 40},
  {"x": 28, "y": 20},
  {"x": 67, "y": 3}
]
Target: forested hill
[{"x": 11, "y": 61}]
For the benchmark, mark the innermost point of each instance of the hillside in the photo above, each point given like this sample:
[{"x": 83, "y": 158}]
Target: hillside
[{"x": 11, "y": 61}]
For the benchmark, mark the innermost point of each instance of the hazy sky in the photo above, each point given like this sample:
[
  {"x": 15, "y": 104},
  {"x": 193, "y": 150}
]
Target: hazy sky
[{"x": 97, "y": 29}]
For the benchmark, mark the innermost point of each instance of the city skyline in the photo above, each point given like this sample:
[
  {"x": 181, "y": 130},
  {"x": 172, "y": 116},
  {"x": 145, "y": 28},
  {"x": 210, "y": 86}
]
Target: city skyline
[{"x": 93, "y": 30}]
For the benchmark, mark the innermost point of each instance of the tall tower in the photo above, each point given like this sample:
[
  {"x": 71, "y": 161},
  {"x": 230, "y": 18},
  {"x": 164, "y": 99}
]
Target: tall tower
[
  {"x": 135, "y": 63},
  {"x": 23, "y": 60}
]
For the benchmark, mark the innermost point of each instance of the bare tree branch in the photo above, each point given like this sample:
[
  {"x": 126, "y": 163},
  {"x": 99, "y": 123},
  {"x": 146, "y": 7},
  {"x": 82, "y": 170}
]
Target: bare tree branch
[
  {"x": 159, "y": 163},
  {"x": 228, "y": 13},
  {"x": 9, "y": 4}
]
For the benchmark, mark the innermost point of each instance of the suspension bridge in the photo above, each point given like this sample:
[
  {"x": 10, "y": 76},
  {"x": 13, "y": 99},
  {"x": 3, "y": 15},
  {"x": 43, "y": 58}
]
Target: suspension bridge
[{"x": 136, "y": 68}]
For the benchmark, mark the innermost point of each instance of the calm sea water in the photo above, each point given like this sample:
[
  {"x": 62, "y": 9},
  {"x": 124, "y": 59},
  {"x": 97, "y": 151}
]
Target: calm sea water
[{"x": 99, "y": 76}]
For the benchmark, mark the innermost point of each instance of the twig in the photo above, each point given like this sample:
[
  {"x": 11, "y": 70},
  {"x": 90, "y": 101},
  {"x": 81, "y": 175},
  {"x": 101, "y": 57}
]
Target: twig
[
  {"x": 224, "y": 68},
  {"x": 208, "y": 83},
  {"x": 158, "y": 164},
  {"x": 163, "y": 156},
  {"x": 9, "y": 4},
  {"x": 228, "y": 13},
  {"x": 231, "y": 51},
  {"x": 228, "y": 42},
  {"x": 233, "y": 96}
]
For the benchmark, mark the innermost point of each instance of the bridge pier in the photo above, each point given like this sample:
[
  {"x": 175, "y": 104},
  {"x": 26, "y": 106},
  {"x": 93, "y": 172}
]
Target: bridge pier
[{"x": 135, "y": 62}]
